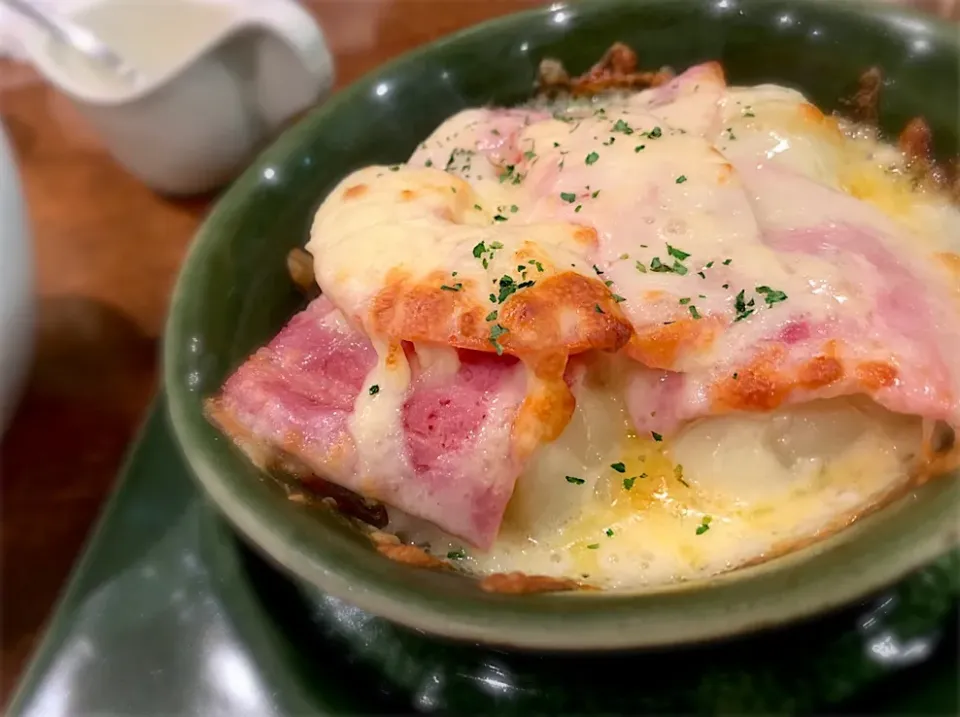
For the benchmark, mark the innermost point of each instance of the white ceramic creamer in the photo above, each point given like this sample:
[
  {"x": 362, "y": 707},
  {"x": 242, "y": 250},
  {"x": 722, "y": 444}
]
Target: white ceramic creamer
[
  {"x": 217, "y": 78},
  {"x": 17, "y": 308}
]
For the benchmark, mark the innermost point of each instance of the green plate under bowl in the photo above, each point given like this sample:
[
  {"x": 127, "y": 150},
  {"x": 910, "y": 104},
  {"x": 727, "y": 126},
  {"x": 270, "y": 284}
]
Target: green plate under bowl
[
  {"x": 168, "y": 612},
  {"x": 234, "y": 294}
]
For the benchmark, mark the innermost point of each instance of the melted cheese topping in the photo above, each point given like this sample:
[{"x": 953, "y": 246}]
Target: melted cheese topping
[{"x": 671, "y": 201}]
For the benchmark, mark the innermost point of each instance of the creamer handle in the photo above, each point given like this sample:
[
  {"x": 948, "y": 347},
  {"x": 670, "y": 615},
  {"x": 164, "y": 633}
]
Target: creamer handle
[{"x": 289, "y": 21}]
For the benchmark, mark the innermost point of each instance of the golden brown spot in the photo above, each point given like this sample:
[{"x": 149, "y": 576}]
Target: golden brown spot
[
  {"x": 395, "y": 354},
  {"x": 390, "y": 546},
  {"x": 407, "y": 195},
  {"x": 380, "y": 538},
  {"x": 558, "y": 313},
  {"x": 566, "y": 310},
  {"x": 916, "y": 141},
  {"x": 585, "y": 235},
  {"x": 760, "y": 386},
  {"x": 874, "y": 375},
  {"x": 411, "y": 555},
  {"x": 545, "y": 412},
  {"x": 725, "y": 173},
  {"x": 300, "y": 268},
  {"x": 521, "y": 584},
  {"x": 356, "y": 191},
  {"x": 765, "y": 383},
  {"x": 661, "y": 346},
  {"x": 811, "y": 114},
  {"x": 820, "y": 371}
]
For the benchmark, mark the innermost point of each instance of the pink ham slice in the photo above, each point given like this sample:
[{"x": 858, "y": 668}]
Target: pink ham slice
[
  {"x": 896, "y": 351},
  {"x": 291, "y": 403}
]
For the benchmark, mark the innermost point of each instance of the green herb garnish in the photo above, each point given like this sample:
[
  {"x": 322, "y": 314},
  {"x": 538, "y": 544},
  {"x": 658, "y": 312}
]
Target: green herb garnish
[
  {"x": 771, "y": 296},
  {"x": 374, "y": 389},
  {"x": 591, "y": 158},
  {"x": 575, "y": 480},
  {"x": 496, "y": 331},
  {"x": 619, "y": 467},
  {"x": 507, "y": 287},
  {"x": 742, "y": 307}
]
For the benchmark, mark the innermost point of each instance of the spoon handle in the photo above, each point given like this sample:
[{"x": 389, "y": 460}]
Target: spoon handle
[
  {"x": 40, "y": 17},
  {"x": 76, "y": 36}
]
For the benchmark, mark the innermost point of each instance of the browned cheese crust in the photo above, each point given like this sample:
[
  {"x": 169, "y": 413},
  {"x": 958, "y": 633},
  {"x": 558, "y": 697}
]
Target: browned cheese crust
[
  {"x": 617, "y": 69},
  {"x": 567, "y": 313},
  {"x": 390, "y": 546},
  {"x": 915, "y": 140},
  {"x": 300, "y": 268},
  {"x": 522, "y": 584}
]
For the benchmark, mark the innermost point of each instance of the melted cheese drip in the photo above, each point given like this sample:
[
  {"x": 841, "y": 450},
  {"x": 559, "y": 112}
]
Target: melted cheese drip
[{"x": 376, "y": 423}]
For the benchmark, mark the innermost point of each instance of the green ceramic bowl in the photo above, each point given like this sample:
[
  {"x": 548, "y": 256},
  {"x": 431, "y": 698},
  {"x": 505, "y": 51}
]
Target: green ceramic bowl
[{"x": 234, "y": 294}]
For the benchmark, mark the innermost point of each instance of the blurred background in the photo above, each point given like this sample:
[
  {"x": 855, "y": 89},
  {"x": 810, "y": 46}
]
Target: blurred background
[{"x": 105, "y": 248}]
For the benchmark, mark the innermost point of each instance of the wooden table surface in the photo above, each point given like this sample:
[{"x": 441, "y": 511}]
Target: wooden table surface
[{"x": 107, "y": 251}]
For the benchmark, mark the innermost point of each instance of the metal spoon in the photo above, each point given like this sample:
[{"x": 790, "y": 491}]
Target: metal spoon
[{"x": 76, "y": 36}]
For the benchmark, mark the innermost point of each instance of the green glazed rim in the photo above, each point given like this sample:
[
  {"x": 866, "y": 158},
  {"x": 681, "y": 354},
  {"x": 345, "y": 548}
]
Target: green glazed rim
[{"x": 320, "y": 548}]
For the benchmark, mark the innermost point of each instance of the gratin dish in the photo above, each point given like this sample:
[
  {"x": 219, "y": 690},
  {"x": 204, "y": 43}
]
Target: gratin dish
[{"x": 234, "y": 293}]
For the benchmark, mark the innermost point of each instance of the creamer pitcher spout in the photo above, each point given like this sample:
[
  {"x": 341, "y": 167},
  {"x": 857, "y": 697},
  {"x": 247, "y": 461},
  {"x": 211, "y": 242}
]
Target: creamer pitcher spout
[{"x": 216, "y": 80}]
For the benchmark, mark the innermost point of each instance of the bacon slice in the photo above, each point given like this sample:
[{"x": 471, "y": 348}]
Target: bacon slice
[
  {"x": 292, "y": 404},
  {"x": 890, "y": 333}
]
